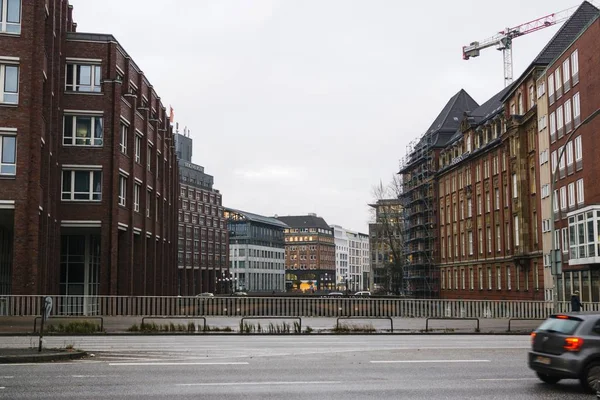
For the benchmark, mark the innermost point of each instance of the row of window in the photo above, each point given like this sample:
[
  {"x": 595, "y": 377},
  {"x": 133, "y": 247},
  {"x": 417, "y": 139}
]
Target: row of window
[
  {"x": 457, "y": 279},
  {"x": 570, "y": 190},
  {"x": 467, "y": 244},
  {"x": 200, "y": 196},
  {"x": 561, "y": 78},
  {"x": 566, "y": 117}
]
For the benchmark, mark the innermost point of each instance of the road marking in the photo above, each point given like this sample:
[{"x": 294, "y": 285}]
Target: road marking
[
  {"x": 260, "y": 383},
  {"x": 89, "y": 376},
  {"x": 129, "y": 364},
  {"x": 6, "y": 377},
  {"x": 506, "y": 379},
  {"x": 2, "y": 387},
  {"x": 427, "y": 361}
]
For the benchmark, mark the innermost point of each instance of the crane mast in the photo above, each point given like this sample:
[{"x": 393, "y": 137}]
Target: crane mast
[{"x": 503, "y": 39}]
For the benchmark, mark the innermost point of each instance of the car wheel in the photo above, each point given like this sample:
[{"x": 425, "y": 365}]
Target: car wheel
[
  {"x": 591, "y": 376},
  {"x": 549, "y": 379}
]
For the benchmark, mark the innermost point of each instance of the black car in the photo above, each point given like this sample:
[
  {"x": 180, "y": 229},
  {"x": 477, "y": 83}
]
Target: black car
[{"x": 567, "y": 346}]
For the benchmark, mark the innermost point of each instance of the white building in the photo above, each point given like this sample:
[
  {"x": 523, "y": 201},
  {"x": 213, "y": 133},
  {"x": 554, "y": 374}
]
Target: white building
[
  {"x": 352, "y": 267},
  {"x": 256, "y": 252}
]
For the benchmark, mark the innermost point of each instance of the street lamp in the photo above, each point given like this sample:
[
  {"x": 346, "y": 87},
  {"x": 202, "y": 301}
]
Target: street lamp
[{"x": 555, "y": 254}]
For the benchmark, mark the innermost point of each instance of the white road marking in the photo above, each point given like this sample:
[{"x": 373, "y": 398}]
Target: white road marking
[
  {"x": 89, "y": 376},
  {"x": 506, "y": 379},
  {"x": 2, "y": 387},
  {"x": 426, "y": 361},
  {"x": 129, "y": 364},
  {"x": 260, "y": 383},
  {"x": 6, "y": 377}
]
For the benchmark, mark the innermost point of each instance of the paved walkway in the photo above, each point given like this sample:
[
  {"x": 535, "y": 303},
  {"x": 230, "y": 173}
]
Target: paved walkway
[{"x": 24, "y": 325}]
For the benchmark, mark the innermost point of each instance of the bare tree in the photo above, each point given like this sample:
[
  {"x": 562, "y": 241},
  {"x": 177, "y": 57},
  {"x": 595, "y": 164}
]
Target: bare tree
[{"x": 386, "y": 236}]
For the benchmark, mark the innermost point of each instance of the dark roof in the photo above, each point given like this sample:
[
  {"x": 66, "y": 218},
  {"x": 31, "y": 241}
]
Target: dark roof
[
  {"x": 450, "y": 117},
  {"x": 259, "y": 218},
  {"x": 580, "y": 19},
  {"x": 305, "y": 221}
]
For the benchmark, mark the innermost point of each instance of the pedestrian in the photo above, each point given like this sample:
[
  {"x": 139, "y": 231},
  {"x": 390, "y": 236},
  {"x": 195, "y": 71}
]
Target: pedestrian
[{"x": 575, "y": 303}]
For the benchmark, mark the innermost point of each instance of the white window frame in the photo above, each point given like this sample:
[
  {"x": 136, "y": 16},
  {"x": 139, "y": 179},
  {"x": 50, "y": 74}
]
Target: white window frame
[
  {"x": 138, "y": 148},
  {"x": 89, "y": 141},
  {"x": 508, "y": 278},
  {"x": 552, "y": 127},
  {"x": 4, "y": 94},
  {"x": 124, "y": 129},
  {"x": 556, "y": 203},
  {"x": 575, "y": 67},
  {"x": 558, "y": 82},
  {"x": 122, "y": 190},
  {"x": 559, "y": 121},
  {"x": 498, "y": 239},
  {"x": 149, "y": 157},
  {"x": 568, "y": 115},
  {"x": 499, "y": 278},
  {"x": 92, "y": 195},
  {"x": 470, "y": 235},
  {"x": 566, "y": 75},
  {"x": 580, "y": 190},
  {"x": 569, "y": 151},
  {"x": 563, "y": 198},
  {"x": 515, "y": 186},
  {"x": 578, "y": 149},
  {"x": 576, "y": 109},
  {"x": 95, "y": 85},
  {"x": 136, "y": 196},
  {"x": 541, "y": 89},
  {"x": 571, "y": 187},
  {"x": 4, "y": 24},
  {"x": 551, "y": 89},
  {"x": 516, "y": 228},
  {"x": 489, "y": 239},
  {"x": 8, "y": 168}
]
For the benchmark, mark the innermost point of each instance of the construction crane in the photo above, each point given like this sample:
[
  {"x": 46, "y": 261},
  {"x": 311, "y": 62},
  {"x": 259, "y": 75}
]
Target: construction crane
[{"x": 503, "y": 39}]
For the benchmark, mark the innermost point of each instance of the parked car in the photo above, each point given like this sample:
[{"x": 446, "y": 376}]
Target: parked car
[
  {"x": 363, "y": 293},
  {"x": 239, "y": 294},
  {"x": 335, "y": 294},
  {"x": 205, "y": 295},
  {"x": 567, "y": 346}
]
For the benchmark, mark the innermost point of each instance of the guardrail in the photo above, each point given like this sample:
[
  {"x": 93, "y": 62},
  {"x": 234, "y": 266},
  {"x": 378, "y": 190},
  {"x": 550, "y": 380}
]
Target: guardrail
[
  {"x": 287, "y": 318},
  {"x": 522, "y": 319},
  {"x": 183, "y": 317},
  {"x": 449, "y": 318},
  {"x": 282, "y": 306},
  {"x": 337, "y": 322},
  {"x": 79, "y": 317}
]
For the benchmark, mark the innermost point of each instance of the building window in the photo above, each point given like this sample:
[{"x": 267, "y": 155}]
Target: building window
[
  {"x": 480, "y": 243},
  {"x": 568, "y": 116},
  {"x": 9, "y": 83},
  {"x": 571, "y": 195},
  {"x": 558, "y": 83},
  {"x": 480, "y": 278},
  {"x": 148, "y": 202},
  {"x": 551, "y": 89},
  {"x": 122, "y": 190},
  {"x": 515, "y": 186},
  {"x": 479, "y": 204},
  {"x": 576, "y": 109},
  {"x": 123, "y": 141},
  {"x": 552, "y": 127},
  {"x": 531, "y": 96},
  {"x": 443, "y": 275},
  {"x": 578, "y": 149},
  {"x": 508, "y": 284},
  {"x": 580, "y": 199},
  {"x": 80, "y": 130},
  {"x": 499, "y": 278},
  {"x": 575, "y": 67},
  {"x": 8, "y": 154},
  {"x": 10, "y": 16},
  {"x": 569, "y": 151},
  {"x": 462, "y": 279},
  {"x": 566, "y": 75},
  {"x": 82, "y": 185},
  {"x": 559, "y": 121},
  {"x": 471, "y": 283},
  {"x": 563, "y": 198},
  {"x": 487, "y": 202},
  {"x": 490, "y": 284},
  {"x": 498, "y": 238},
  {"x": 149, "y": 158},
  {"x": 469, "y": 208},
  {"x": 136, "y": 197},
  {"x": 516, "y": 223},
  {"x": 138, "y": 148},
  {"x": 470, "y": 234},
  {"x": 83, "y": 78}
]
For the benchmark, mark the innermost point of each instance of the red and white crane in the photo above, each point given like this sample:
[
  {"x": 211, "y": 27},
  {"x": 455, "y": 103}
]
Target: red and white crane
[{"x": 503, "y": 39}]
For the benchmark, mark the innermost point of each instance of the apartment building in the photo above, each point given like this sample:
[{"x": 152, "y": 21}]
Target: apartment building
[
  {"x": 309, "y": 253},
  {"x": 256, "y": 252},
  {"x": 203, "y": 242},
  {"x": 352, "y": 267},
  {"x": 572, "y": 82},
  {"x": 88, "y": 177}
]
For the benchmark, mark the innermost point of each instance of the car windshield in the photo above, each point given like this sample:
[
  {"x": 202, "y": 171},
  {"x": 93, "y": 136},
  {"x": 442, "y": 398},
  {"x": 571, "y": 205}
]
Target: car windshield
[{"x": 560, "y": 325}]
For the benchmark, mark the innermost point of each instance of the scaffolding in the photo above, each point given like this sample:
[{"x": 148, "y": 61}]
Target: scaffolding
[{"x": 417, "y": 170}]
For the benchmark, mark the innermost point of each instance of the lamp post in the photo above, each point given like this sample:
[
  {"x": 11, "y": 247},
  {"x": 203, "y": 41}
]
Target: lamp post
[{"x": 555, "y": 254}]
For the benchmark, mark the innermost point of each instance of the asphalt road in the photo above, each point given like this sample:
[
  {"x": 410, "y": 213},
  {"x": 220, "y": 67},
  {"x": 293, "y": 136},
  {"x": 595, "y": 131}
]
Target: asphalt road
[{"x": 280, "y": 367}]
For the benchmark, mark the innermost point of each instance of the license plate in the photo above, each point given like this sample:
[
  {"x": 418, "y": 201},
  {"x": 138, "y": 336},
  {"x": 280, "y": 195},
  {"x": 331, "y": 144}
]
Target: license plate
[{"x": 542, "y": 360}]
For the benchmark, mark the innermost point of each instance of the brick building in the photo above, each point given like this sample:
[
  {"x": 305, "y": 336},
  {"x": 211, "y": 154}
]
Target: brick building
[
  {"x": 203, "y": 246},
  {"x": 492, "y": 245},
  {"x": 88, "y": 175},
  {"x": 572, "y": 92},
  {"x": 419, "y": 199},
  {"x": 309, "y": 253}
]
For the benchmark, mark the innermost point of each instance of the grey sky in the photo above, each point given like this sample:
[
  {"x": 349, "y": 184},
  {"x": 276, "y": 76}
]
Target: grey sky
[{"x": 300, "y": 106}]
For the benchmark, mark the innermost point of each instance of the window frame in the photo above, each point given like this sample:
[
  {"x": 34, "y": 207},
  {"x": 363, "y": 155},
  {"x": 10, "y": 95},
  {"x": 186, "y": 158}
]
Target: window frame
[
  {"x": 91, "y": 140},
  {"x": 7, "y": 165},
  {"x": 124, "y": 132},
  {"x": 3, "y": 93},
  {"x": 72, "y": 193},
  {"x": 122, "y": 198},
  {"x": 95, "y": 84},
  {"x": 4, "y": 23},
  {"x": 136, "y": 196}
]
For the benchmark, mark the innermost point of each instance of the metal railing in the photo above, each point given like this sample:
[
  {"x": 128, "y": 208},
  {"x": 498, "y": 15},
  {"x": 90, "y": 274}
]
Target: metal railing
[{"x": 282, "y": 306}]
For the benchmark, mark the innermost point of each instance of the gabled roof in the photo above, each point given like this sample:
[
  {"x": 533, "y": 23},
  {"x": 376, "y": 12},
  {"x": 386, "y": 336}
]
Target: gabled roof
[
  {"x": 562, "y": 39},
  {"x": 304, "y": 221},
  {"x": 259, "y": 218}
]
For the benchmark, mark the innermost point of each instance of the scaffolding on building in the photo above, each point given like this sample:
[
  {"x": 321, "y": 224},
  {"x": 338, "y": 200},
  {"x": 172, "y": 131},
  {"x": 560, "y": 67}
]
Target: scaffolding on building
[{"x": 417, "y": 170}]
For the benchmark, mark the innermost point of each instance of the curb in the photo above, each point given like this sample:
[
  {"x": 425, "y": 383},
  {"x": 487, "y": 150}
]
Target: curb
[
  {"x": 395, "y": 333},
  {"x": 41, "y": 358}
]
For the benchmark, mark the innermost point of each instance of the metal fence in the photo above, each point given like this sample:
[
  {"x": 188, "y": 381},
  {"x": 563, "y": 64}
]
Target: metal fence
[{"x": 280, "y": 306}]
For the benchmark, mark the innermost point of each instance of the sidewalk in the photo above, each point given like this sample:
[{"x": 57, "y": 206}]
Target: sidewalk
[
  {"x": 120, "y": 325},
  {"x": 31, "y": 355}
]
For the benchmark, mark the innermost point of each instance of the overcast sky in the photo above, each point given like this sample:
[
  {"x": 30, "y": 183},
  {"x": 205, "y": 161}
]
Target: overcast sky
[{"x": 299, "y": 106}]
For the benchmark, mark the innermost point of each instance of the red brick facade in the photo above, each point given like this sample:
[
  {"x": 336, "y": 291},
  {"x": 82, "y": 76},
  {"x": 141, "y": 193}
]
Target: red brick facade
[{"x": 39, "y": 206}]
